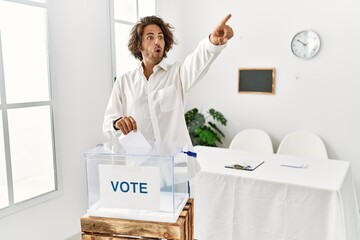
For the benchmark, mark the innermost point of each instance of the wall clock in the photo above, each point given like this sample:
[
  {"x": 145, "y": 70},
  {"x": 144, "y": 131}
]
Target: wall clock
[{"x": 305, "y": 44}]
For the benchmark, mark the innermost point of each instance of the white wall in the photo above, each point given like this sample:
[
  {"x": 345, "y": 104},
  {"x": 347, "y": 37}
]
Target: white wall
[
  {"x": 81, "y": 77},
  {"x": 321, "y": 94}
]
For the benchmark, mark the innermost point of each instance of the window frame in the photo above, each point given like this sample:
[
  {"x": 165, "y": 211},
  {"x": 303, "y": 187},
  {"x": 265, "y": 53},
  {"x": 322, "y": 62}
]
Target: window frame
[
  {"x": 13, "y": 207},
  {"x": 113, "y": 21}
]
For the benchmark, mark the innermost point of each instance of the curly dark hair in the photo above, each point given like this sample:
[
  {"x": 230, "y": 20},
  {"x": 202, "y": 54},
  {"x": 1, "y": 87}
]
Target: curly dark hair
[{"x": 137, "y": 31}]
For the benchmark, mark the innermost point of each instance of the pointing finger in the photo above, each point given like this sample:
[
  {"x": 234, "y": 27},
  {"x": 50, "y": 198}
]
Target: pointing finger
[{"x": 223, "y": 22}]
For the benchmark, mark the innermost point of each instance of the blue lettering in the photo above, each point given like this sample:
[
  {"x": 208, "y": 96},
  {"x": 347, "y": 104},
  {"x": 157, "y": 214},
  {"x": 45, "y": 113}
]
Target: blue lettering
[
  {"x": 116, "y": 186},
  {"x": 122, "y": 188},
  {"x": 134, "y": 186},
  {"x": 143, "y": 188},
  {"x": 131, "y": 186}
]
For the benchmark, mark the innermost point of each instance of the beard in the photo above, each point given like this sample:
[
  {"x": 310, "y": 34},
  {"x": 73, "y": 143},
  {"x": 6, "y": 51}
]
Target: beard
[{"x": 153, "y": 56}]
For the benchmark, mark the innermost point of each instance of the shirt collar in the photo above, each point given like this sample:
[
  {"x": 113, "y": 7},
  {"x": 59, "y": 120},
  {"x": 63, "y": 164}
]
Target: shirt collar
[{"x": 163, "y": 65}]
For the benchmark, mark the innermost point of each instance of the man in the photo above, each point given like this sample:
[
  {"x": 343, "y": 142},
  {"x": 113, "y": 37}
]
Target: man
[{"x": 151, "y": 98}]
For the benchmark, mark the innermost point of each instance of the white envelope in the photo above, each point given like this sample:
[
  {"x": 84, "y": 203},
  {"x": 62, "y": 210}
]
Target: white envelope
[{"x": 135, "y": 142}]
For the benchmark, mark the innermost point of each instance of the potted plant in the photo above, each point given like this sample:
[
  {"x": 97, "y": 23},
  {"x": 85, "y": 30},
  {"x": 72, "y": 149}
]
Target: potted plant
[{"x": 203, "y": 132}]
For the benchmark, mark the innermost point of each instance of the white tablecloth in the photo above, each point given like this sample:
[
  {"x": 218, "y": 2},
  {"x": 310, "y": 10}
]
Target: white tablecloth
[{"x": 273, "y": 202}]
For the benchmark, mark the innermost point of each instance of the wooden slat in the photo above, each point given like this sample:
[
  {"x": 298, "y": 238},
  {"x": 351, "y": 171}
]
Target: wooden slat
[
  {"x": 185, "y": 215},
  {"x": 132, "y": 227},
  {"x": 110, "y": 228},
  {"x": 99, "y": 237},
  {"x": 190, "y": 203}
]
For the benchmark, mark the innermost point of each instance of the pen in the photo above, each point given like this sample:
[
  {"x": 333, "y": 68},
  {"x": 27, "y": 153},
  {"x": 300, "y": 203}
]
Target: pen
[
  {"x": 238, "y": 166},
  {"x": 191, "y": 154}
]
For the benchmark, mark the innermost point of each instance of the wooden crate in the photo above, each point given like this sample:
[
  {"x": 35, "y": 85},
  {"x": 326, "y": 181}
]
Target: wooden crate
[{"x": 99, "y": 228}]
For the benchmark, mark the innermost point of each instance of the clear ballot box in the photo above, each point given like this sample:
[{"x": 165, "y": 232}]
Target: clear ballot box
[{"x": 137, "y": 183}]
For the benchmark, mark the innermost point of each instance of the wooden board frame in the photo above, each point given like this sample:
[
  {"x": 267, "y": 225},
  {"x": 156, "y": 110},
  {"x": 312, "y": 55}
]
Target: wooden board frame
[{"x": 256, "y": 80}]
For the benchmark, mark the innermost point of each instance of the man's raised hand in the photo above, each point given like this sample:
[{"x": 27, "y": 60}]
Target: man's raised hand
[{"x": 222, "y": 33}]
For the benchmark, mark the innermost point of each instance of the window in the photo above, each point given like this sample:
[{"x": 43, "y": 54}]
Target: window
[
  {"x": 125, "y": 14},
  {"x": 27, "y": 156}
]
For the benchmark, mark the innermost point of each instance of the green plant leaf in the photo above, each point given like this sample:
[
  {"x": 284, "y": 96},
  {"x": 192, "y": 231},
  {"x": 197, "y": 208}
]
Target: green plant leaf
[
  {"x": 202, "y": 132},
  {"x": 213, "y": 125},
  {"x": 197, "y": 121},
  {"x": 196, "y": 140},
  {"x": 218, "y": 116},
  {"x": 190, "y": 115},
  {"x": 207, "y": 135}
]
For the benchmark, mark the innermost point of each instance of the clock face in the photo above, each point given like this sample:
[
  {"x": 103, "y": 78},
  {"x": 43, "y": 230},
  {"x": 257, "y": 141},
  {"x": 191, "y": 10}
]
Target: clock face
[{"x": 305, "y": 44}]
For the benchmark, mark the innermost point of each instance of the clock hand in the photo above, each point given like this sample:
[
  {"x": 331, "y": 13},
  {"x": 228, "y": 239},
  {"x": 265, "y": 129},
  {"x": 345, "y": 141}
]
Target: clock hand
[{"x": 304, "y": 44}]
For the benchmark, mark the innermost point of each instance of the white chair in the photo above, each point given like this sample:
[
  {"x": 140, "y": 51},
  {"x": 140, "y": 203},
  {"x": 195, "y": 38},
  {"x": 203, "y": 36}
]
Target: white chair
[
  {"x": 303, "y": 143},
  {"x": 254, "y": 140}
]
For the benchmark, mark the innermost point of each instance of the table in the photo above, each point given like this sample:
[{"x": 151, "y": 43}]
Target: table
[{"x": 273, "y": 202}]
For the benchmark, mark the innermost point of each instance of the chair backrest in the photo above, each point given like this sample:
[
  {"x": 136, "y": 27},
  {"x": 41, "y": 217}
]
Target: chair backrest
[
  {"x": 303, "y": 143},
  {"x": 255, "y": 140}
]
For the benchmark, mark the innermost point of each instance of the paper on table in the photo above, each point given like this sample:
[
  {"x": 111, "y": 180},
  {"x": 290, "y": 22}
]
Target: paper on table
[
  {"x": 293, "y": 163},
  {"x": 135, "y": 142}
]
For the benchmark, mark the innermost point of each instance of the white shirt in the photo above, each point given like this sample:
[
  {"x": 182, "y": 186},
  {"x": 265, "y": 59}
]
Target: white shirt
[{"x": 157, "y": 104}]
